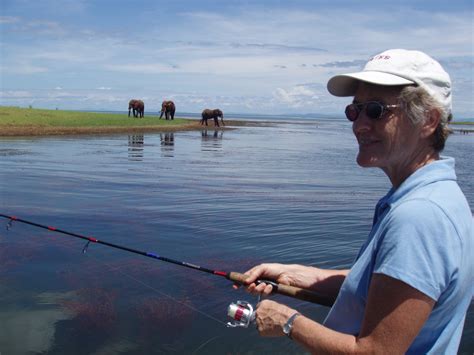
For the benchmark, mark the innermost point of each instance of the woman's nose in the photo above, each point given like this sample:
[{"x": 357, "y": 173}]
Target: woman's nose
[{"x": 362, "y": 123}]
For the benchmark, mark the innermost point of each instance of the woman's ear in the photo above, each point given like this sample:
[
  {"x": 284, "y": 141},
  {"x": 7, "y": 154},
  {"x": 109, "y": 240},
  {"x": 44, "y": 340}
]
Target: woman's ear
[{"x": 432, "y": 120}]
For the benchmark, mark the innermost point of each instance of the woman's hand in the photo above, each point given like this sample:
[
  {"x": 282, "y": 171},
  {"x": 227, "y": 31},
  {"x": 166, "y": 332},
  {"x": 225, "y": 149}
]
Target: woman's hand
[
  {"x": 270, "y": 317},
  {"x": 278, "y": 273},
  {"x": 274, "y": 272},
  {"x": 311, "y": 278}
]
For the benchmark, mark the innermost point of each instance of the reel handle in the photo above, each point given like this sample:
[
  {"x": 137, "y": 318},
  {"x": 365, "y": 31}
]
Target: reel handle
[{"x": 290, "y": 291}]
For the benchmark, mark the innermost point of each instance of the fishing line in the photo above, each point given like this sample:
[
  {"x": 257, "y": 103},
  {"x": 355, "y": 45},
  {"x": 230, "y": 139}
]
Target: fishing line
[
  {"x": 205, "y": 343},
  {"x": 112, "y": 268},
  {"x": 236, "y": 277}
]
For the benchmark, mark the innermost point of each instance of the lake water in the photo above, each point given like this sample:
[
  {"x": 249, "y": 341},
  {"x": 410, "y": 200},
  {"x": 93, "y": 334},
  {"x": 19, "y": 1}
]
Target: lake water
[{"x": 286, "y": 192}]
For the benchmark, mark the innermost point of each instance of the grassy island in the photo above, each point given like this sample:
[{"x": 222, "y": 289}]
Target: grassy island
[{"x": 15, "y": 121}]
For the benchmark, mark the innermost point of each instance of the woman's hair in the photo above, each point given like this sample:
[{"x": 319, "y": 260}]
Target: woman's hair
[{"x": 416, "y": 103}]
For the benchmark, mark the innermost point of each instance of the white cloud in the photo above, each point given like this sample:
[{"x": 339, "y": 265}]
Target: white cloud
[
  {"x": 19, "y": 25},
  {"x": 9, "y": 19},
  {"x": 24, "y": 69},
  {"x": 44, "y": 28},
  {"x": 152, "y": 68},
  {"x": 16, "y": 94},
  {"x": 297, "y": 96}
]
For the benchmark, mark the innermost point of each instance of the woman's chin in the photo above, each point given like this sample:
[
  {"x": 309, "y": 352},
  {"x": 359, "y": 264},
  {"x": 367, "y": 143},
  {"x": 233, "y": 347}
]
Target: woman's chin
[{"x": 367, "y": 161}]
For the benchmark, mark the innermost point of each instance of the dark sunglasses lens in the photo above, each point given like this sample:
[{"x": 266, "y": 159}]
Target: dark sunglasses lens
[
  {"x": 352, "y": 112},
  {"x": 374, "y": 110}
]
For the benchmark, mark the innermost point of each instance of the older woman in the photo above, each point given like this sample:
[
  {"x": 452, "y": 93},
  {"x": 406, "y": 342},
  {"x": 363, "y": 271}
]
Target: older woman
[{"x": 411, "y": 283}]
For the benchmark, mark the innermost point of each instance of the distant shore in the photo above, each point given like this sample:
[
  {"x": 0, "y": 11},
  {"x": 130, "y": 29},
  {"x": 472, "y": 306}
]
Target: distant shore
[{"x": 16, "y": 121}]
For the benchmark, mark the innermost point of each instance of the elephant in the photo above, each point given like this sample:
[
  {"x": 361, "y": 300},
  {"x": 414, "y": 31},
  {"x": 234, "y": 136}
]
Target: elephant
[
  {"x": 168, "y": 108},
  {"x": 138, "y": 107},
  {"x": 215, "y": 114}
]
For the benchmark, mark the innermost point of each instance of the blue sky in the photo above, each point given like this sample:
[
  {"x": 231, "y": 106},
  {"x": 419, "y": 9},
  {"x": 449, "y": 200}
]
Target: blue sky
[{"x": 262, "y": 56}]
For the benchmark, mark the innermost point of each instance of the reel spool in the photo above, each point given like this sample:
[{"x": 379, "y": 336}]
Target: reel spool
[{"x": 241, "y": 313}]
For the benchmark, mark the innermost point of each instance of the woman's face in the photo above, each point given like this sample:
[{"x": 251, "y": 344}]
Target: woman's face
[{"x": 391, "y": 142}]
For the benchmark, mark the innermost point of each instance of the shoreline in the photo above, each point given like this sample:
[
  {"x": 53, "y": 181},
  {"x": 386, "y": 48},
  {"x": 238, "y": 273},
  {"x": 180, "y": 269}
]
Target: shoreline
[{"x": 43, "y": 131}]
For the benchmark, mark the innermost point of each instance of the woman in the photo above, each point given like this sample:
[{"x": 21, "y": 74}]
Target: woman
[{"x": 411, "y": 284}]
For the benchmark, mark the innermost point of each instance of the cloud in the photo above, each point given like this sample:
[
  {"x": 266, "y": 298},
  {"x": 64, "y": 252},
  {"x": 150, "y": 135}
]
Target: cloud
[
  {"x": 24, "y": 69},
  {"x": 242, "y": 47},
  {"x": 58, "y": 97},
  {"x": 16, "y": 94},
  {"x": 231, "y": 65},
  {"x": 8, "y": 19},
  {"x": 18, "y": 25},
  {"x": 297, "y": 96},
  {"x": 342, "y": 64},
  {"x": 276, "y": 47},
  {"x": 152, "y": 68}
]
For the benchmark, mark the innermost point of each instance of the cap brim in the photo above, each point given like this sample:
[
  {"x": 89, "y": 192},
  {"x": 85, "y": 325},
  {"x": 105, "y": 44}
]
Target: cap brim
[{"x": 346, "y": 84}]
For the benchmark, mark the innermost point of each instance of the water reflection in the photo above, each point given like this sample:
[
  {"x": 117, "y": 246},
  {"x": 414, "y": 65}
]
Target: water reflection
[
  {"x": 167, "y": 144},
  {"x": 211, "y": 141},
  {"x": 135, "y": 147}
]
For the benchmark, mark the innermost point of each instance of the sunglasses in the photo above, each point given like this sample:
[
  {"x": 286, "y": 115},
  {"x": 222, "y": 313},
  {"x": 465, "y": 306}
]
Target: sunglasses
[{"x": 373, "y": 109}]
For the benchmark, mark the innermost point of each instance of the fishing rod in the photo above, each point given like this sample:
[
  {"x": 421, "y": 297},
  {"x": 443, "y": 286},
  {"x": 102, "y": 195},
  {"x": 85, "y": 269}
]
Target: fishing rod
[{"x": 236, "y": 277}]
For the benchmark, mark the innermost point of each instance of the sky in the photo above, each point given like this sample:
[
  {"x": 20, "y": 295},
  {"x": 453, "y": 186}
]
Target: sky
[{"x": 262, "y": 56}]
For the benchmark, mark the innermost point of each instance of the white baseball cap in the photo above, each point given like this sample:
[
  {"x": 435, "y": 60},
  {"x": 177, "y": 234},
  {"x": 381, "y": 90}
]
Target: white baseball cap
[{"x": 398, "y": 67}]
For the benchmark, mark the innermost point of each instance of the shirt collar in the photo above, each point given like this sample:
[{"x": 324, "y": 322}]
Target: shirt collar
[
  {"x": 442, "y": 169},
  {"x": 439, "y": 170}
]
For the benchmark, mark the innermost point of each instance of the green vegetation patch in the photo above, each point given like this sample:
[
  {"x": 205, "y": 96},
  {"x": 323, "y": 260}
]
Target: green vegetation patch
[
  {"x": 27, "y": 117},
  {"x": 469, "y": 123}
]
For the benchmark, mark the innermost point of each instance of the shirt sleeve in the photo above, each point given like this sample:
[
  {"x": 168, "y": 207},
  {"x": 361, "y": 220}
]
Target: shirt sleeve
[{"x": 419, "y": 246}]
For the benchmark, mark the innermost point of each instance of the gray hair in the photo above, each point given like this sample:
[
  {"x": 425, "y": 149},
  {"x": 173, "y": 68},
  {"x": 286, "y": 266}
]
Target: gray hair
[{"x": 416, "y": 102}]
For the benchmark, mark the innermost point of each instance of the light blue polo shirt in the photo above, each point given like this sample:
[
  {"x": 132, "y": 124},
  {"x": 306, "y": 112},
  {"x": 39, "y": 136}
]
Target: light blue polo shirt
[{"x": 422, "y": 235}]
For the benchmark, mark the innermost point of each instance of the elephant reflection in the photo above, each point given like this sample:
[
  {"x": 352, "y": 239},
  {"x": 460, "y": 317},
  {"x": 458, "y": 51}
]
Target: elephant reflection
[
  {"x": 167, "y": 144},
  {"x": 168, "y": 108},
  {"x": 167, "y": 139},
  {"x": 135, "y": 147},
  {"x": 138, "y": 107},
  {"x": 211, "y": 141},
  {"x": 217, "y": 134},
  {"x": 215, "y": 114}
]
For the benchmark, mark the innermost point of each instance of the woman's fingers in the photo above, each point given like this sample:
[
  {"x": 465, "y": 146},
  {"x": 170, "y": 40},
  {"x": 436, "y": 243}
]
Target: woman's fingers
[
  {"x": 253, "y": 274},
  {"x": 256, "y": 273},
  {"x": 261, "y": 288},
  {"x": 268, "y": 290}
]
